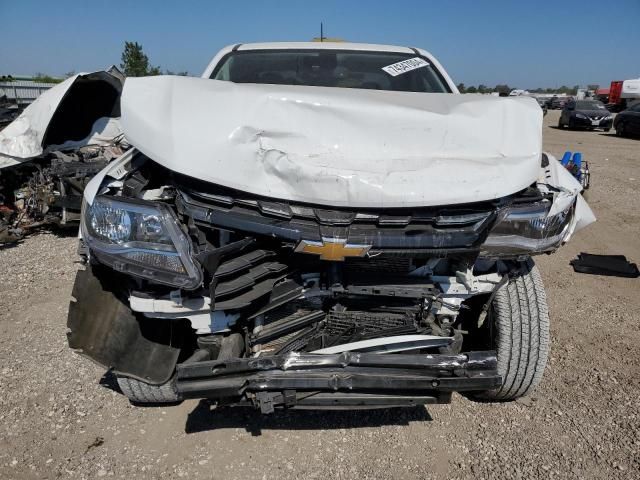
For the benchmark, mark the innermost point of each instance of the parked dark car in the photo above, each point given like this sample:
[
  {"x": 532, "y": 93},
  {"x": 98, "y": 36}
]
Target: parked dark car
[
  {"x": 588, "y": 114},
  {"x": 628, "y": 121},
  {"x": 556, "y": 103}
]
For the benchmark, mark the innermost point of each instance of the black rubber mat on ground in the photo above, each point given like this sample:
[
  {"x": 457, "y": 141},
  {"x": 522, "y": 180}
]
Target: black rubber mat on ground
[{"x": 611, "y": 265}]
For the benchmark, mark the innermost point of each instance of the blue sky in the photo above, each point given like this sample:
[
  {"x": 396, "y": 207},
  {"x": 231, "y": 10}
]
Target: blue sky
[{"x": 525, "y": 44}]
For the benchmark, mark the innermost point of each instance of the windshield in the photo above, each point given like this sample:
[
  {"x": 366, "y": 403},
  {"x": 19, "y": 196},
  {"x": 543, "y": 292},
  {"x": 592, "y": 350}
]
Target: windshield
[
  {"x": 335, "y": 68},
  {"x": 589, "y": 105}
]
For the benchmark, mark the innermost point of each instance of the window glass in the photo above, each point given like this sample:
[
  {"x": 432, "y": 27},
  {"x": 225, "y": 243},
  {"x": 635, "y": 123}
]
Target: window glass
[
  {"x": 346, "y": 69},
  {"x": 589, "y": 105}
]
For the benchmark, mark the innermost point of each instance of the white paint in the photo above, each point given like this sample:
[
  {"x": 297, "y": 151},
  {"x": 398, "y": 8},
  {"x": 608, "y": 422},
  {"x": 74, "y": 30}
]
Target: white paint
[
  {"x": 117, "y": 169},
  {"x": 195, "y": 309},
  {"x": 451, "y": 286},
  {"x": 397, "y": 343},
  {"x": 169, "y": 306},
  {"x": 630, "y": 88},
  {"x": 333, "y": 146},
  {"x": 203, "y": 323},
  {"x": 22, "y": 139},
  {"x": 555, "y": 175},
  {"x": 103, "y": 132}
]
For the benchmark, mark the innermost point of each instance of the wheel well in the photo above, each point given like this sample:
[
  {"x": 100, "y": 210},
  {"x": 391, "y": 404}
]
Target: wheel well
[{"x": 477, "y": 337}]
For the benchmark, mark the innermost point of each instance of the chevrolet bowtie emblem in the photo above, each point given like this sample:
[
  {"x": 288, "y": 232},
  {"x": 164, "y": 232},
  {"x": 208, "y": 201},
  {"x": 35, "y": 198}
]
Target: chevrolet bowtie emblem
[{"x": 332, "y": 249}]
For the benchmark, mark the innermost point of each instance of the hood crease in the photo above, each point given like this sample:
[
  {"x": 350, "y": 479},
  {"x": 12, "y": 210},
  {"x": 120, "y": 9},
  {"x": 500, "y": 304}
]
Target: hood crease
[{"x": 333, "y": 146}]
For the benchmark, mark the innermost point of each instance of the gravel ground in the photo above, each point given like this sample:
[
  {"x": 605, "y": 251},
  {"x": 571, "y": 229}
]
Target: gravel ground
[{"x": 60, "y": 416}]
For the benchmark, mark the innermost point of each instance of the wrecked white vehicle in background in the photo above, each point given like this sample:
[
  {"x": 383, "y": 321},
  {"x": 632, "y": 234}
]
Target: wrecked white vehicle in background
[
  {"x": 51, "y": 151},
  {"x": 321, "y": 225}
]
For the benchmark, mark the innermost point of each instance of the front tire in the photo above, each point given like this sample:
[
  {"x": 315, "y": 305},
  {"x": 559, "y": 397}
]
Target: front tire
[
  {"x": 620, "y": 130},
  {"x": 141, "y": 393},
  {"x": 520, "y": 328}
]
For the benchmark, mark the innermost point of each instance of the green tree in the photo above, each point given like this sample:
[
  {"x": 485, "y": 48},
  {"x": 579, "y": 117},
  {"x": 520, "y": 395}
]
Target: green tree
[
  {"x": 135, "y": 63},
  {"x": 44, "y": 78},
  {"x": 471, "y": 89},
  {"x": 461, "y": 88}
]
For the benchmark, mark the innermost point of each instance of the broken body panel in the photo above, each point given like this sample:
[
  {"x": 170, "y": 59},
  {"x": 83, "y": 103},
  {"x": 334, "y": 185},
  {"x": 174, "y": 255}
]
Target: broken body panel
[
  {"x": 54, "y": 147},
  {"x": 310, "y": 246}
]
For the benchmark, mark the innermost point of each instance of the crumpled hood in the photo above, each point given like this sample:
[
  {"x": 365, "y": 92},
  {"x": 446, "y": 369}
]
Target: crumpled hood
[{"x": 336, "y": 146}]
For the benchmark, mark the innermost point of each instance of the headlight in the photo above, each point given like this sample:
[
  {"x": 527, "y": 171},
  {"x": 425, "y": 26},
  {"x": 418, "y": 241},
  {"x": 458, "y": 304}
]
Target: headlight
[
  {"x": 523, "y": 230},
  {"x": 579, "y": 115},
  {"x": 140, "y": 238}
]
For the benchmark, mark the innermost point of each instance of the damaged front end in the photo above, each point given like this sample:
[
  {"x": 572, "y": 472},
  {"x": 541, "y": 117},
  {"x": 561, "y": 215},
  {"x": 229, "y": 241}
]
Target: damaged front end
[
  {"x": 278, "y": 256},
  {"x": 251, "y": 301},
  {"x": 51, "y": 151}
]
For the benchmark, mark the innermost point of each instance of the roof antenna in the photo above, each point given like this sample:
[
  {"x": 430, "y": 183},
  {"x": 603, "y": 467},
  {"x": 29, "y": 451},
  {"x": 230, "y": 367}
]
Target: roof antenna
[{"x": 321, "y": 33}]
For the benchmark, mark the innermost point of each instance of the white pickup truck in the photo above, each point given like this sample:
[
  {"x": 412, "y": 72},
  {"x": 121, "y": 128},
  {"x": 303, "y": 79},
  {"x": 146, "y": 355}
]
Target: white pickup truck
[{"x": 322, "y": 226}]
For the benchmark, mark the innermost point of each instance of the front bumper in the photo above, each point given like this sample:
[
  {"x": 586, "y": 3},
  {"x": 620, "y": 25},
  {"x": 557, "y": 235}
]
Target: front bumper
[
  {"x": 345, "y": 380},
  {"x": 588, "y": 123}
]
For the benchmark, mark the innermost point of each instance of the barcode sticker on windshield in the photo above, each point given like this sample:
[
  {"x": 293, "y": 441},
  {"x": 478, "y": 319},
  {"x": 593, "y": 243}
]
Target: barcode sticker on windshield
[{"x": 396, "y": 69}]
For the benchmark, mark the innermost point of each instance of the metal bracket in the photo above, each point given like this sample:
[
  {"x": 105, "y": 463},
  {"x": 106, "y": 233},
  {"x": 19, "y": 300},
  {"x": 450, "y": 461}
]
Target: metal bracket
[{"x": 266, "y": 401}]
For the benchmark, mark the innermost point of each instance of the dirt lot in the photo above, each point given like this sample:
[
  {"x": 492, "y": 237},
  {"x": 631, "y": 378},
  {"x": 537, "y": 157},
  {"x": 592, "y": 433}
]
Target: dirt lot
[{"x": 59, "y": 417}]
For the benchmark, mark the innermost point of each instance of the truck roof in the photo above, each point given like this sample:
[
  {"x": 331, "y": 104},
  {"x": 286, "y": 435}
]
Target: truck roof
[{"x": 322, "y": 46}]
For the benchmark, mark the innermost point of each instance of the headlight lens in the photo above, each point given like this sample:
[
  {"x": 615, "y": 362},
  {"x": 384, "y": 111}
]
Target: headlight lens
[
  {"x": 113, "y": 224},
  {"x": 523, "y": 230},
  {"x": 140, "y": 238}
]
